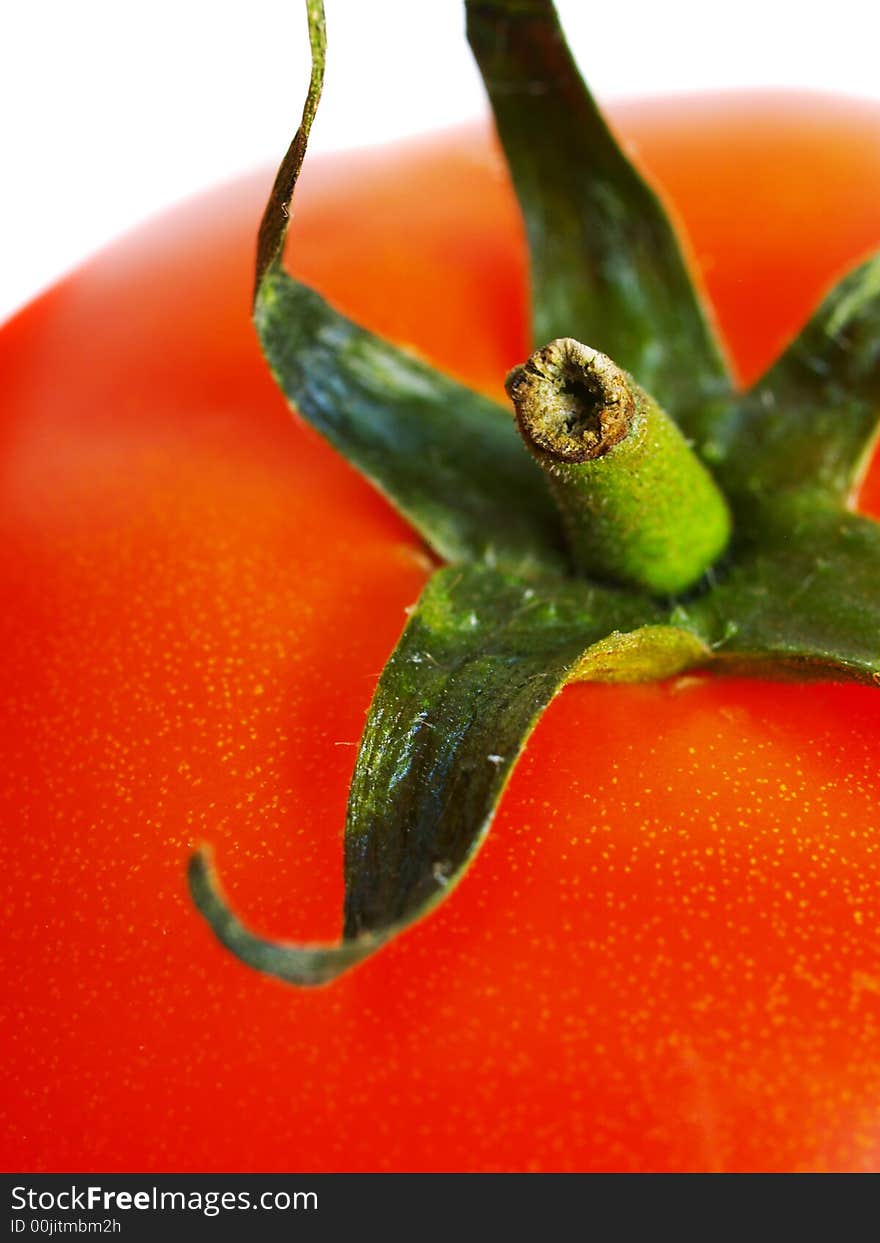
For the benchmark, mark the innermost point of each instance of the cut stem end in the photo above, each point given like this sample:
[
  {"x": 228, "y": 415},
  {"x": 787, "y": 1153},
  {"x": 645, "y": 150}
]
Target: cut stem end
[
  {"x": 571, "y": 402},
  {"x": 638, "y": 506}
]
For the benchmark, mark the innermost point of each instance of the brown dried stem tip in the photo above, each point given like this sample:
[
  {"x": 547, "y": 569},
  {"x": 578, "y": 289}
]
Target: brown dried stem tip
[
  {"x": 571, "y": 402},
  {"x": 638, "y": 506}
]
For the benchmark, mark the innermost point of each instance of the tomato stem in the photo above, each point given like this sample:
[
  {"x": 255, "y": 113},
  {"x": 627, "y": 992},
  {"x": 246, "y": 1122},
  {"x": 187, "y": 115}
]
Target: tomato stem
[{"x": 638, "y": 506}]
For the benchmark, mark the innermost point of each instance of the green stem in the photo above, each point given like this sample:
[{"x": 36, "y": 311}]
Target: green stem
[{"x": 638, "y": 506}]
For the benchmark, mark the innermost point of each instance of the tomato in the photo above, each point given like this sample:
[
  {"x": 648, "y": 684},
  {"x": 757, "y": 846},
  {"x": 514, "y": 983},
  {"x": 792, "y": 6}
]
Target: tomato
[{"x": 665, "y": 956}]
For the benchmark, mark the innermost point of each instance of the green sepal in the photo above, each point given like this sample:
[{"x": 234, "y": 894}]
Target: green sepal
[
  {"x": 807, "y": 427},
  {"x": 447, "y": 458},
  {"x": 480, "y": 659},
  {"x": 805, "y": 603},
  {"x": 649, "y": 654},
  {"x": 606, "y": 266}
]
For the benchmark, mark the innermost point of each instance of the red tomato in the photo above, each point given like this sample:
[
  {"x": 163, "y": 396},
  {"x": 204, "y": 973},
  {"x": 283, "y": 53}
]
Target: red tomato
[{"x": 666, "y": 955}]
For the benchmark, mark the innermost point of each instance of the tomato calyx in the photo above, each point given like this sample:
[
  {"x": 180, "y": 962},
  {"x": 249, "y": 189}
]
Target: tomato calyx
[{"x": 527, "y": 603}]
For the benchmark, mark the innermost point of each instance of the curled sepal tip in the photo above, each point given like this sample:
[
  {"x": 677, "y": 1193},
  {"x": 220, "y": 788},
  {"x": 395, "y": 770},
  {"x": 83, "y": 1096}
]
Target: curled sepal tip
[
  {"x": 303, "y": 965},
  {"x": 276, "y": 217}
]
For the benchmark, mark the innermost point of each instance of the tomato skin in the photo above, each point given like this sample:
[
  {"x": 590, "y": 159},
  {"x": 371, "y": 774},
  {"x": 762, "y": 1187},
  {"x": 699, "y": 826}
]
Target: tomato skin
[{"x": 665, "y": 955}]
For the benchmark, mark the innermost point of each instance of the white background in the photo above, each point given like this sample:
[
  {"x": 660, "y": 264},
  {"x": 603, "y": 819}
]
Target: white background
[{"x": 113, "y": 109}]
